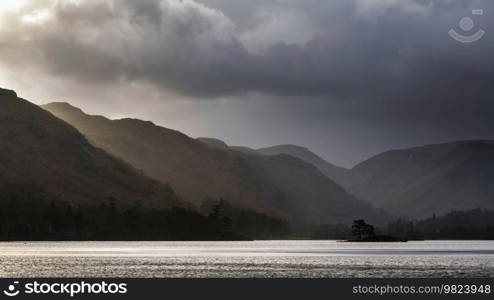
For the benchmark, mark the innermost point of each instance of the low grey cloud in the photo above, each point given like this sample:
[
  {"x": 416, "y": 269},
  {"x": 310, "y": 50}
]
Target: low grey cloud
[{"x": 345, "y": 63}]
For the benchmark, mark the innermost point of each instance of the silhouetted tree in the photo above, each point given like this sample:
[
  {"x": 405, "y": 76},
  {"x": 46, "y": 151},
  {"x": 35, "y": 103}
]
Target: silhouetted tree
[
  {"x": 467, "y": 225},
  {"x": 362, "y": 230},
  {"x": 29, "y": 213},
  {"x": 215, "y": 214},
  {"x": 245, "y": 221}
]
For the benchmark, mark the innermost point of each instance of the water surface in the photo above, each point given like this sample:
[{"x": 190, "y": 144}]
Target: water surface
[{"x": 247, "y": 259}]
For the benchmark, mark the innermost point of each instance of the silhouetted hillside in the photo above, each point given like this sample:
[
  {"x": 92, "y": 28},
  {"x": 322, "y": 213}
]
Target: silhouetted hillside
[
  {"x": 282, "y": 185},
  {"x": 39, "y": 149}
]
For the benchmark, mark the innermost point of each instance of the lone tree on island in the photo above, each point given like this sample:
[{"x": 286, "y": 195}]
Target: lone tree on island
[{"x": 362, "y": 230}]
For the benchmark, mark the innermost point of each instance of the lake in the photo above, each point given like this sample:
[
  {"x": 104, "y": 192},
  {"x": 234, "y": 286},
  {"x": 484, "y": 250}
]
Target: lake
[{"x": 313, "y": 259}]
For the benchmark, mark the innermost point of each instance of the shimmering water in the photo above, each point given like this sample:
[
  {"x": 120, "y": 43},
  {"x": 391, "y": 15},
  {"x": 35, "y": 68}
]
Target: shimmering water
[{"x": 247, "y": 259}]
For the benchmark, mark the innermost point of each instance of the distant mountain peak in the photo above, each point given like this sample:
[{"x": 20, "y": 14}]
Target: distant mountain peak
[
  {"x": 288, "y": 146},
  {"x": 136, "y": 121},
  {"x": 334, "y": 172},
  {"x": 213, "y": 143},
  {"x": 67, "y": 107}
]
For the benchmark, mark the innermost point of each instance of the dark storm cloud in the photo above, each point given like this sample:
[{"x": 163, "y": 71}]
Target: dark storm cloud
[
  {"x": 361, "y": 48},
  {"x": 350, "y": 64}
]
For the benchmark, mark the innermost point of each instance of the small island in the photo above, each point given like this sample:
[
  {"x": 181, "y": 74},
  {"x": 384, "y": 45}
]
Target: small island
[{"x": 363, "y": 232}]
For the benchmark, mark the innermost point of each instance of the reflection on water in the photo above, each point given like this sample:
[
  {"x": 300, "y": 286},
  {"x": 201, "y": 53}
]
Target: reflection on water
[{"x": 248, "y": 259}]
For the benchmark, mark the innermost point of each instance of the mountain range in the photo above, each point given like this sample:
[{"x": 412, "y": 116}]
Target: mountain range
[
  {"x": 85, "y": 159},
  {"x": 416, "y": 182},
  {"x": 281, "y": 185}
]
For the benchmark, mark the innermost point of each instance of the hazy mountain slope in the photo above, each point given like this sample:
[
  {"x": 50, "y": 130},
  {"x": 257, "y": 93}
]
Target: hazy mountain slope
[
  {"x": 310, "y": 193},
  {"x": 197, "y": 171},
  {"x": 334, "y": 172},
  {"x": 280, "y": 185},
  {"x": 39, "y": 149},
  {"x": 245, "y": 150},
  {"x": 213, "y": 143},
  {"x": 219, "y": 144},
  {"x": 424, "y": 180}
]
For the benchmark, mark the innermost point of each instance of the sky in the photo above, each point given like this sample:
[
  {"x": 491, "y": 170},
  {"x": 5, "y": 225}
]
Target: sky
[{"x": 346, "y": 78}]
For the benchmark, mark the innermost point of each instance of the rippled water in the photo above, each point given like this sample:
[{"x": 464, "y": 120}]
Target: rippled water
[{"x": 247, "y": 259}]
